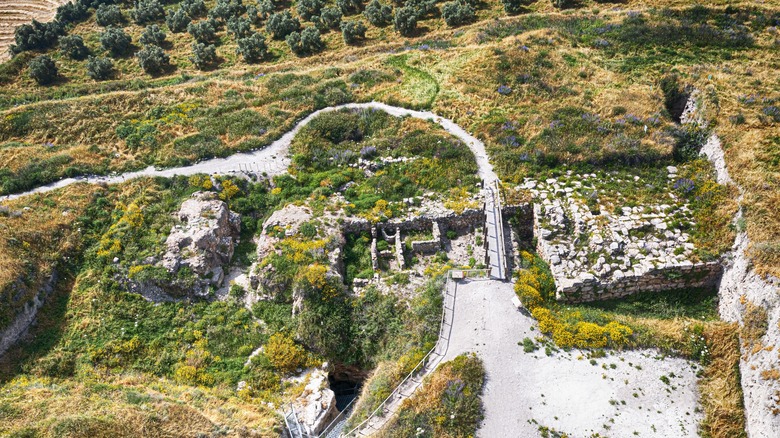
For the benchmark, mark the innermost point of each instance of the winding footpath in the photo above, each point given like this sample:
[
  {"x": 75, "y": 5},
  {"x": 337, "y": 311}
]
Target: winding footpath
[{"x": 273, "y": 159}]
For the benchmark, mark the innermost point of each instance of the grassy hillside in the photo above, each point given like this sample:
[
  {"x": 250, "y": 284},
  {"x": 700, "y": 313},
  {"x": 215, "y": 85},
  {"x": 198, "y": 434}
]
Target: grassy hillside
[{"x": 588, "y": 88}]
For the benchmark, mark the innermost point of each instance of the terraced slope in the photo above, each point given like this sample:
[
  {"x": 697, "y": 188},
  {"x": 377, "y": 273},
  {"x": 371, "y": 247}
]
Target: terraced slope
[{"x": 14, "y": 13}]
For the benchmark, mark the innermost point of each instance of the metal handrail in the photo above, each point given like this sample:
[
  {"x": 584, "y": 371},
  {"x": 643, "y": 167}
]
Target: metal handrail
[
  {"x": 501, "y": 231},
  {"x": 408, "y": 376},
  {"x": 338, "y": 418}
]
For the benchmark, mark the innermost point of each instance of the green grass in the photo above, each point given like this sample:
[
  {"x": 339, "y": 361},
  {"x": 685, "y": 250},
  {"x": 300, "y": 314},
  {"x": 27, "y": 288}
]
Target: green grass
[
  {"x": 418, "y": 89},
  {"x": 699, "y": 304}
]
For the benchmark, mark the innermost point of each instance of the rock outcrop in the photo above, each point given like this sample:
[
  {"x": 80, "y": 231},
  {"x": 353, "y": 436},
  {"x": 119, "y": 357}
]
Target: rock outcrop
[
  {"x": 196, "y": 250},
  {"x": 316, "y": 406}
]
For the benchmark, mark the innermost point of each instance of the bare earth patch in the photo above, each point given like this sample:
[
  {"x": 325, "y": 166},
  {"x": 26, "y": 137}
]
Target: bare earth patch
[{"x": 566, "y": 391}]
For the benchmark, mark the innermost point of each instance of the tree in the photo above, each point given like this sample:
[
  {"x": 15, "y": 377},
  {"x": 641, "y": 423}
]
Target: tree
[
  {"x": 378, "y": 14},
  {"x": 252, "y": 48},
  {"x": 108, "y": 15},
  {"x": 306, "y": 42},
  {"x": 152, "y": 59},
  {"x": 224, "y": 10},
  {"x": 254, "y": 15},
  {"x": 115, "y": 40},
  {"x": 265, "y": 8},
  {"x": 203, "y": 31},
  {"x": 352, "y": 31},
  {"x": 203, "y": 55},
  {"x": 282, "y": 24},
  {"x": 36, "y": 36},
  {"x": 405, "y": 20},
  {"x": 457, "y": 12},
  {"x": 72, "y": 12},
  {"x": 514, "y": 7},
  {"x": 330, "y": 17},
  {"x": 240, "y": 27},
  {"x": 99, "y": 68},
  {"x": 146, "y": 11},
  {"x": 153, "y": 35},
  {"x": 73, "y": 47},
  {"x": 178, "y": 21},
  {"x": 350, "y": 7},
  {"x": 43, "y": 70},
  {"x": 308, "y": 8},
  {"x": 194, "y": 8}
]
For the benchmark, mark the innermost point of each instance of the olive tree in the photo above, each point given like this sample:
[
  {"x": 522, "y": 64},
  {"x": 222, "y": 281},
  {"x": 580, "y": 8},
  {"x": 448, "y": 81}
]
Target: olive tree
[
  {"x": 43, "y": 70},
  {"x": 99, "y": 68}
]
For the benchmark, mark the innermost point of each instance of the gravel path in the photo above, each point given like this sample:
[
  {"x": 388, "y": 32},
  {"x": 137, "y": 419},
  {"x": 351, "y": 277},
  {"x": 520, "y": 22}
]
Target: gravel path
[
  {"x": 273, "y": 159},
  {"x": 564, "y": 391}
]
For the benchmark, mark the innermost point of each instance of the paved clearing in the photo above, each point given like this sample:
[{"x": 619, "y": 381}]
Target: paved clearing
[{"x": 563, "y": 392}]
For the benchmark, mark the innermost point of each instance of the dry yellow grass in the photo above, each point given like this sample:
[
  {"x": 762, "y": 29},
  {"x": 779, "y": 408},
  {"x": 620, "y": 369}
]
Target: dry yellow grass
[{"x": 721, "y": 394}]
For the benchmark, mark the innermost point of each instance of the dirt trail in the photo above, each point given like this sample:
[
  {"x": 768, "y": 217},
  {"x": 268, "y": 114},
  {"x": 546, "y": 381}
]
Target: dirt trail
[{"x": 273, "y": 160}]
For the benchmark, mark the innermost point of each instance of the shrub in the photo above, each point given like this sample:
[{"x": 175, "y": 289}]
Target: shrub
[
  {"x": 73, "y": 47},
  {"x": 203, "y": 31},
  {"x": 306, "y": 42},
  {"x": 422, "y": 8},
  {"x": 457, "y": 12},
  {"x": 330, "y": 17},
  {"x": 72, "y": 12},
  {"x": 284, "y": 354},
  {"x": 405, "y": 20},
  {"x": 99, "y": 68},
  {"x": 253, "y": 13},
  {"x": 146, "y": 11},
  {"x": 239, "y": 27},
  {"x": 203, "y": 55},
  {"x": 265, "y": 8},
  {"x": 282, "y": 24},
  {"x": 529, "y": 296},
  {"x": 177, "y": 21},
  {"x": 252, "y": 48},
  {"x": 378, "y": 14},
  {"x": 152, "y": 59},
  {"x": 226, "y": 9},
  {"x": 513, "y": 7},
  {"x": 152, "y": 35},
  {"x": 352, "y": 31},
  {"x": 108, "y": 15},
  {"x": 36, "y": 36},
  {"x": 43, "y": 70},
  {"x": 349, "y": 7},
  {"x": 115, "y": 40},
  {"x": 194, "y": 8},
  {"x": 563, "y": 4},
  {"x": 308, "y": 8}
]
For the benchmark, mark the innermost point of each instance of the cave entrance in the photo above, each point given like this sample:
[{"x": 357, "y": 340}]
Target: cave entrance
[{"x": 345, "y": 387}]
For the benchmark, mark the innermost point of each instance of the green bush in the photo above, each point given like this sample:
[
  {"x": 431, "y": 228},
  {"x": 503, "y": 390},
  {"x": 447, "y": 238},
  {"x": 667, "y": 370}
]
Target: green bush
[
  {"x": 514, "y": 7},
  {"x": 152, "y": 59},
  {"x": 203, "y": 31},
  {"x": 147, "y": 11},
  {"x": 378, "y": 14},
  {"x": 43, "y": 70},
  {"x": 308, "y": 8},
  {"x": 225, "y": 10},
  {"x": 99, "y": 68},
  {"x": 405, "y": 20},
  {"x": 108, "y": 15},
  {"x": 305, "y": 43},
  {"x": 239, "y": 27},
  {"x": 203, "y": 55},
  {"x": 72, "y": 12},
  {"x": 350, "y": 7},
  {"x": 36, "y": 36},
  {"x": 177, "y": 21},
  {"x": 73, "y": 47},
  {"x": 116, "y": 41},
  {"x": 330, "y": 17},
  {"x": 282, "y": 24},
  {"x": 457, "y": 12},
  {"x": 353, "y": 31},
  {"x": 152, "y": 34},
  {"x": 563, "y": 4},
  {"x": 252, "y": 48},
  {"x": 194, "y": 8}
]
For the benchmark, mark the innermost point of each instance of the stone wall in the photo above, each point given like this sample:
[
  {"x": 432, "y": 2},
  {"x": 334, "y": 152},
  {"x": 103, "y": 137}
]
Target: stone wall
[
  {"x": 431, "y": 246},
  {"x": 660, "y": 279}
]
